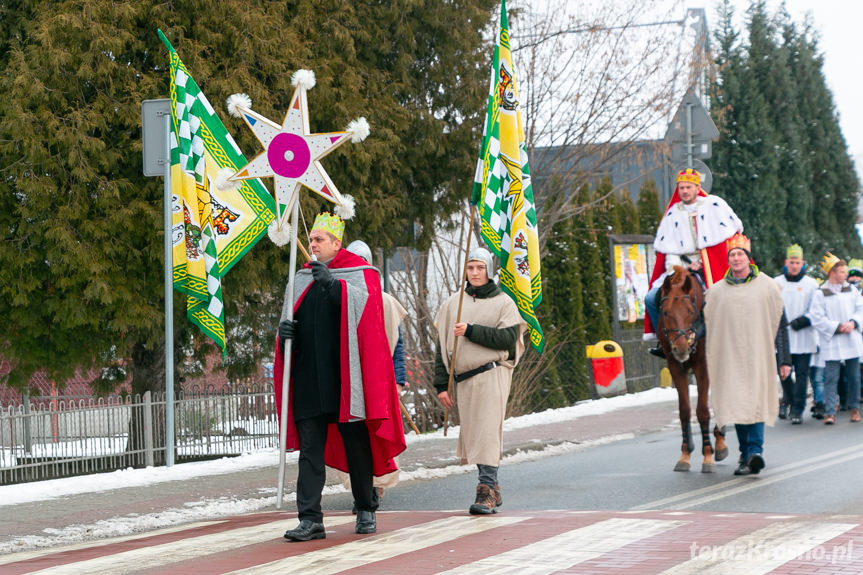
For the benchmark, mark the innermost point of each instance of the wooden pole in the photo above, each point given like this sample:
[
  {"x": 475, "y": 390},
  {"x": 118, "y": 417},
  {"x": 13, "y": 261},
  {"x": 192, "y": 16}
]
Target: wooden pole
[
  {"x": 408, "y": 416},
  {"x": 449, "y": 388}
]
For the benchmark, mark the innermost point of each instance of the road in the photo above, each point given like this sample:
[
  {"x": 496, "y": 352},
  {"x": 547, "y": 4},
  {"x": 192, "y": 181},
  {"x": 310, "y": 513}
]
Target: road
[{"x": 614, "y": 508}]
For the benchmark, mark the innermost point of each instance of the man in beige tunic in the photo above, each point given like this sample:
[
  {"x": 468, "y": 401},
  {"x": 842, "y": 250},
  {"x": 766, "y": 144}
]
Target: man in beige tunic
[
  {"x": 746, "y": 338},
  {"x": 491, "y": 332}
]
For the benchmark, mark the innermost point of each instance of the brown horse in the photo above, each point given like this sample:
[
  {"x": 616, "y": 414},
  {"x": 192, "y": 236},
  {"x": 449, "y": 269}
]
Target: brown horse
[{"x": 681, "y": 302}]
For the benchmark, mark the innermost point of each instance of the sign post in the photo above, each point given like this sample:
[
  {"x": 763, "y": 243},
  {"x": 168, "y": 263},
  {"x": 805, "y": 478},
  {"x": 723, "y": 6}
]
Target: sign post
[{"x": 156, "y": 143}]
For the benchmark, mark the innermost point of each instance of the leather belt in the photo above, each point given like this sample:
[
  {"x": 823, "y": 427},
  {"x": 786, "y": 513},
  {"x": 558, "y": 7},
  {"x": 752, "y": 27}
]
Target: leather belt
[{"x": 476, "y": 371}]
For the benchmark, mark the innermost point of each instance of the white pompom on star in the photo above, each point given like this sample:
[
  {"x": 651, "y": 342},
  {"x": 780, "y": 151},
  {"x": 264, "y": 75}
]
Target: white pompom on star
[
  {"x": 222, "y": 182},
  {"x": 235, "y": 100},
  {"x": 279, "y": 236},
  {"x": 359, "y": 130},
  {"x": 304, "y": 78},
  {"x": 347, "y": 210}
]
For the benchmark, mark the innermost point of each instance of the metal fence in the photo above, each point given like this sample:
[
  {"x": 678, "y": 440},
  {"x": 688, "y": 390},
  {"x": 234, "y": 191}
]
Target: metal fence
[{"x": 62, "y": 438}]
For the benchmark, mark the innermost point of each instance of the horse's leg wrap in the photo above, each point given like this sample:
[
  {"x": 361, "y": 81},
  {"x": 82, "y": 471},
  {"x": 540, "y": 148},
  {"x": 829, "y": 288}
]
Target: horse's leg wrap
[
  {"x": 720, "y": 431},
  {"x": 706, "y": 446},
  {"x": 687, "y": 436}
]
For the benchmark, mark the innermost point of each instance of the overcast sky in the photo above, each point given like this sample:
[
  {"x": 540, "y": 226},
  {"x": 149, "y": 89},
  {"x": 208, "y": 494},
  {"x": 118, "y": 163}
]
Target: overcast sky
[{"x": 838, "y": 23}]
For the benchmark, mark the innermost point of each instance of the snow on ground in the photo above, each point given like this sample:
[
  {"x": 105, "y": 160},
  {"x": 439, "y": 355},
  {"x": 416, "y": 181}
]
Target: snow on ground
[{"x": 201, "y": 510}]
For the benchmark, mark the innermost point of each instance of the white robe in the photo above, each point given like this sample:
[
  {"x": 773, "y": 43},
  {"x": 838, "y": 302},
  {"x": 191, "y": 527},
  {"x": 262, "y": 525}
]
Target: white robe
[
  {"x": 828, "y": 311},
  {"x": 798, "y": 298}
]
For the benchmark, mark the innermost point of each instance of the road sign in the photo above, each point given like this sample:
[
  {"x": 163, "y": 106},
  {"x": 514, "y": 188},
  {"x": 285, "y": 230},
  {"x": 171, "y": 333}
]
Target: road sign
[
  {"x": 153, "y": 135},
  {"x": 690, "y": 131}
]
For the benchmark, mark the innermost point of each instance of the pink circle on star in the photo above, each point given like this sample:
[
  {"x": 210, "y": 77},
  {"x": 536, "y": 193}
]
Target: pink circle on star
[{"x": 289, "y": 155}]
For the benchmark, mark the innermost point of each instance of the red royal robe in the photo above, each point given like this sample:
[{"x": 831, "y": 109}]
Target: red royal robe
[{"x": 383, "y": 415}]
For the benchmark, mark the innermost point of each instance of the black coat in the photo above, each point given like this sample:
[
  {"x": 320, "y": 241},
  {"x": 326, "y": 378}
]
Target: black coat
[{"x": 316, "y": 366}]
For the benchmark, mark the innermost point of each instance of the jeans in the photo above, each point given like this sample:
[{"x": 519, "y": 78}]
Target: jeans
[
  {"x": 652, "y": 306},
  {"x": 487, "y": 475},
  {"x": 794, "y": 390},
  {"x": 750, "y": 436},
  {"x": 816, "y": 374},
  {"x": 831, "y": 380}
]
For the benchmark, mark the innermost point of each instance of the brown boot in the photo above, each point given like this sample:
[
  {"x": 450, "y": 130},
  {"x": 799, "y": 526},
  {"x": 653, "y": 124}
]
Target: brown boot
[
  {"x": 485, "y": 502},
  {"x": 498, "y": 498}
]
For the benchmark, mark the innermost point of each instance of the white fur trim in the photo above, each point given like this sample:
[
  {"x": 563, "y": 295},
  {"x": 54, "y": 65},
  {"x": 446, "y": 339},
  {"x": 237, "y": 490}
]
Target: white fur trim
[
  {"x": 648, "y": 337},
  {"x": 222, "y": 181},
  {"x": 280, "y": 237},
  {"x": 359, "y": 129},
  {"x": 235, "y": 100},
  {"x": 305, "y": 78},
  {"x": 348, "y": 208}
]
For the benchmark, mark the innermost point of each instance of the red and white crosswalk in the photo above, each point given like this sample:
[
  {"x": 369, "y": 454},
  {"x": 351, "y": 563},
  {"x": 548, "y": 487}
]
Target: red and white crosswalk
[{"x": 455, "y": 543}]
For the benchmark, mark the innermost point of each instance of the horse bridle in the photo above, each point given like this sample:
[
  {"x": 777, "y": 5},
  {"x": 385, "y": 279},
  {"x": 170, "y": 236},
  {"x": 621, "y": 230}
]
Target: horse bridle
[{"x": 689, "y": 333}]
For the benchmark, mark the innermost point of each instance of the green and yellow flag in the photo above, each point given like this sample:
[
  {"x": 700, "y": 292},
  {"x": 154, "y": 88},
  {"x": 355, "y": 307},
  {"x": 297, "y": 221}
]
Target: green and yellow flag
[
  {"x": 502, "y": 190},
  {"x": 211, "y": 228}
]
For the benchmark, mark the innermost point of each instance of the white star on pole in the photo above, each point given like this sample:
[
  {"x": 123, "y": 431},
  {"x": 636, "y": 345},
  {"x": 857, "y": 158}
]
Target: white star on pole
[{"x": 291, "y": 153}]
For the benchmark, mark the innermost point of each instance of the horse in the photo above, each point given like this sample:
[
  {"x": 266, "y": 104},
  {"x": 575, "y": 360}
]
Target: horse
[{"x": 680, "y": 306}]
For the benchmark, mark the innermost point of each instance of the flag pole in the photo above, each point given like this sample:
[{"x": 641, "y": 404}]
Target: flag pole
[
  {"x": 286, "y": 372},
  {"x": 449, "y": 387}
]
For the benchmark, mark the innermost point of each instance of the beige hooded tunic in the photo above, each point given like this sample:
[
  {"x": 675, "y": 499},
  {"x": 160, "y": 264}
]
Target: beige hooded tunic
[
  {"x": 742, "y": 321},
  {"x": 481, "y": 400}
]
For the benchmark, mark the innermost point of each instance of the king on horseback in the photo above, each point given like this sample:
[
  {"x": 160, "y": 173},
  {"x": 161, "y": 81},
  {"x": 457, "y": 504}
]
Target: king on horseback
[
  {"x": 691, "y": 255},
  {"x": 692, "y": 234}
]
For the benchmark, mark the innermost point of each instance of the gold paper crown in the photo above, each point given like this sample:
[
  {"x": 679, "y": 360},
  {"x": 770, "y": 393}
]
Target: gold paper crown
[
  {"x": 689, "y": 175},
  {"x": 329, "y": 223},
  {"x": 829, "y": 262},
  {"x": 794, "y": 251},
  {"x": 738, "y": 240}
]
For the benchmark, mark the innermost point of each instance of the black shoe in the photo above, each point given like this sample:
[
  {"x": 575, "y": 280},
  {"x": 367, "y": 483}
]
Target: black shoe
[
  {"x": 657, "y": 351},
  {"x": 796, "y": 419},
  {"x": 306, "y": 531},
  {"x": 755, "y": 463},
  {"x": 366, "y": 522},
  {"x": 818, "y": 410},
  {"x": 742, "y": 469},
  {"x": 784, "y": 408}
]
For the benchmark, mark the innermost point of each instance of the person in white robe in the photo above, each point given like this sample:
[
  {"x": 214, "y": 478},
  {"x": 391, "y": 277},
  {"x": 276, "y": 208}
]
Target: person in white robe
[
  {"x": 798, "y": 290},
  {"x": 837, "y": 314}
]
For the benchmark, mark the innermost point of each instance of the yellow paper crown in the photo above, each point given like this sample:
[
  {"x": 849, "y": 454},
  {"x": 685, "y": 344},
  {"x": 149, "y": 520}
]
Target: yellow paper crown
[
  {"x": 794, "y": 251},
  {"x": 738, "y": 240},
  {"x": 689, "y": 175},
  {"x": 329, "y": 223},
  {"x": 829, "y": 262}
]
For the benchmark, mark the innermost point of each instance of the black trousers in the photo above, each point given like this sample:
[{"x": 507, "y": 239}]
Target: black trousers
[
  {"x": 312, "y": 471},
  {"x": 794, "y": 391}
]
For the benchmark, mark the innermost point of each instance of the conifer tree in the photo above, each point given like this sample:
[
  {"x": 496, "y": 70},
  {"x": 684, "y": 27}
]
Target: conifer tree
[
  {"x": 81, "y": 260},
  {"x": 649, "y": 211}
]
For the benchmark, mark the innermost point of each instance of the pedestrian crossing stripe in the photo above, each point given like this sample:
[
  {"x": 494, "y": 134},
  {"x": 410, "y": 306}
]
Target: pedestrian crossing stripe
[
  {"x": 763, "y": 550},
  {"x": 567, "y": 549},
  {"x": 380, "y": 547},
  {"x": 176, "y": 551}
]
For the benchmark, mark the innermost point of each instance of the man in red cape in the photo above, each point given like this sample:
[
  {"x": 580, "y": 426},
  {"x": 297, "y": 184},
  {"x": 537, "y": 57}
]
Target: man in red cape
[
  {"x": 691, "y": 234},
  {"x": 343, "y": 406}
]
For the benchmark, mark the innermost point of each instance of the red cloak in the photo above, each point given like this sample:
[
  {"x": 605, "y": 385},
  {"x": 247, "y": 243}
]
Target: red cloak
[{"x": 382, "y": 412}]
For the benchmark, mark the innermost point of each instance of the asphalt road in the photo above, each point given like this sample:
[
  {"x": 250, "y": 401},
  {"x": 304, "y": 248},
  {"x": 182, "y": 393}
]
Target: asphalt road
[{"x": 811, "y": 469}]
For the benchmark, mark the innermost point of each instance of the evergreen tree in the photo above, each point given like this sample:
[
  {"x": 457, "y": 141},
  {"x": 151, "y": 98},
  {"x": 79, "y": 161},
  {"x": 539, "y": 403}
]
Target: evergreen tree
[
  {"x": 562, "y": 318},
  {"x": 833, "y": 183},
  {"x": 81, "y": 260},
  {"x": 649, "y": 211}
]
